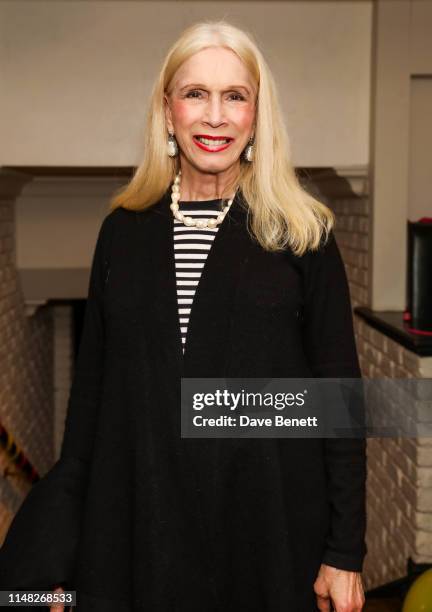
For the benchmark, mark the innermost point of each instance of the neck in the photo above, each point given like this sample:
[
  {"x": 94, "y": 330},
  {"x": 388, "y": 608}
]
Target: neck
[{"x": 197, "y": 185}]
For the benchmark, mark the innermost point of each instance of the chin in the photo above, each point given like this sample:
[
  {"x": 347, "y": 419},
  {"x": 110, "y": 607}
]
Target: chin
[{"x": 214, "y": 168}]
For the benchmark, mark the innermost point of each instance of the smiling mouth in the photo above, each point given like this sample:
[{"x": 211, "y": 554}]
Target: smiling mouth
[{"x": 212, "y": 143}]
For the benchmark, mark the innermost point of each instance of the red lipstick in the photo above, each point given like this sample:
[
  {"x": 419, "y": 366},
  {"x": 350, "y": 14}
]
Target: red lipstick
[{"x": 211, "y": 148}]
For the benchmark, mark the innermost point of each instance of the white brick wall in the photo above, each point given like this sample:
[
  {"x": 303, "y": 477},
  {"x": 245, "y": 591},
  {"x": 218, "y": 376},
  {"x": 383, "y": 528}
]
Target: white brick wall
[
  {"x": 352, "y": 235},
  {"x": 400, "y": 472}
]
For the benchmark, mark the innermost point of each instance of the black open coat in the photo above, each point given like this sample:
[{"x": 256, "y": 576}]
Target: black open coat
[{"x": 134, "y": 517}]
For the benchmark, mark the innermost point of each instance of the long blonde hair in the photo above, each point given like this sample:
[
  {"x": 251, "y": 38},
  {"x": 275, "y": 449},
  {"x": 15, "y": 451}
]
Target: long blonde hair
[{"x": 281, "y": 212}]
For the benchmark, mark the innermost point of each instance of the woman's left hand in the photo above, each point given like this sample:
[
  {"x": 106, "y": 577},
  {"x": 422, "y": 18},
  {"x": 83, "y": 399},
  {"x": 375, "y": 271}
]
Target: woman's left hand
[{"x": 340, "y": 588}]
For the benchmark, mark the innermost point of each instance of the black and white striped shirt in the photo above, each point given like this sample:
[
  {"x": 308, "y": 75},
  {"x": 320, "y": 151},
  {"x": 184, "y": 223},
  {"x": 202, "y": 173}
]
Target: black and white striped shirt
[{"x": 191, "y": 247}]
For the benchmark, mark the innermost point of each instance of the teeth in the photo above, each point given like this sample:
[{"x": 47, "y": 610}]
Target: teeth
[{"x": 214, "y": 143}]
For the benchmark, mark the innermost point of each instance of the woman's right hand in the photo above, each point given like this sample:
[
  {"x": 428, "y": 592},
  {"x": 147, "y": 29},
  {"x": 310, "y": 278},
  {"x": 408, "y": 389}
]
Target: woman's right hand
[{"x": 58, "y": 607}]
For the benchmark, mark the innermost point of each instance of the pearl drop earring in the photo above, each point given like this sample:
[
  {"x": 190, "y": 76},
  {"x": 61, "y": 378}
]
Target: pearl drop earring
[
  {"x": 172, "y": 147},
  {"x": 249, "y": 151}
]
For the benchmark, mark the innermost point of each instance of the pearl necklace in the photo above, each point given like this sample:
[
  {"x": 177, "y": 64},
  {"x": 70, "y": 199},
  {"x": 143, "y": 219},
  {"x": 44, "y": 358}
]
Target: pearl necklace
[{"x": 189, "y": 221}]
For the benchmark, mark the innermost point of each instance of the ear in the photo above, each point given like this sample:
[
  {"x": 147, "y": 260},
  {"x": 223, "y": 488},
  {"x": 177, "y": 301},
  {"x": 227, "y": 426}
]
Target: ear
[{"x": 168, "y": 116}]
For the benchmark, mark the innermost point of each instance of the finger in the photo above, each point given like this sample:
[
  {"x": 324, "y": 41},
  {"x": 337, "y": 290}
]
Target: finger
[
  {"x": 58, "y": 607},
  {"x": 323, "y": 603},
  {"x": 359, "y": 606}
]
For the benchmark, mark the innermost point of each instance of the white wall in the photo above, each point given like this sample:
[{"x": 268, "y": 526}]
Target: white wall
[
  {"x": 420, "y": 159},
  {"x": 76, "y": 75}
]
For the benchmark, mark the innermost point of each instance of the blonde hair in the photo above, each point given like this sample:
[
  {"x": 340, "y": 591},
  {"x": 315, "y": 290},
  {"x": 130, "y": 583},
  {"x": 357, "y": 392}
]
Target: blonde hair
[{"x": 281, "y": 212}]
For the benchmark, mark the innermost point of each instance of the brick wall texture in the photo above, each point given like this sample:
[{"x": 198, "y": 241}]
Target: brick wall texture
[{"x": 26, "y": 375}]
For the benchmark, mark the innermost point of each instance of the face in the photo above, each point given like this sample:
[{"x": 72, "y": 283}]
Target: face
[{"x": 211, "y": 110}]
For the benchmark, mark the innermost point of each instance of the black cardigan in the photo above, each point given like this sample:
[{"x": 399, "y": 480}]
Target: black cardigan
[{"x": 136, "y": 518}]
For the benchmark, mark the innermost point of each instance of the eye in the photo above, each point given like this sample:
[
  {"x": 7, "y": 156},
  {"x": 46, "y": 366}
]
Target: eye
[
  {"x": 190, "y": 93},
  {"x": 238, "y": 96}
]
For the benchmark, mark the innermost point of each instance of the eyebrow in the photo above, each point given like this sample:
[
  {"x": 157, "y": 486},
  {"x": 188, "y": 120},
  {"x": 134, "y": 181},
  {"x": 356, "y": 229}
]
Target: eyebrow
[{"x": 202, "y": 86}]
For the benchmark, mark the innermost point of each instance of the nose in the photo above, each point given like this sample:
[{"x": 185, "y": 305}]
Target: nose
[{"x": 214, "y": 114}]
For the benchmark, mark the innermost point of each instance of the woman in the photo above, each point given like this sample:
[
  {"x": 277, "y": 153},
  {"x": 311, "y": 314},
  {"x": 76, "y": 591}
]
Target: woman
[{"x": 133, "y": 516}]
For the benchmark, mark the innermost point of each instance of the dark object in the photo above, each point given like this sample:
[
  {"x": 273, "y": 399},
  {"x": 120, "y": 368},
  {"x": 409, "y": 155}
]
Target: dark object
[
  {"x": 419, "y": 276},
  {"x": 388, "y": 604},
  {"x": 391, "y": 323}
]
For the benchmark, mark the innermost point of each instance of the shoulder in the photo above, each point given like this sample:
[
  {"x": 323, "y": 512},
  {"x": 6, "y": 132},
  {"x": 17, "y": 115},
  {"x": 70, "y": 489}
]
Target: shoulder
[
  {"x": 113, "y": 225},
  {"x": 323, "y": 267},
  {"x": 121, "y": 229},
  {"x": 117, "y": 217},
  {"x": 120, "y": 220},
  {"x": 327, "y": 251},
  {"x": 122, "y": 216}
]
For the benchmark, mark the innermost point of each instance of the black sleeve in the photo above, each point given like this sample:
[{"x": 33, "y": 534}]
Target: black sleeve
[
  {"x": 331, "y": 351},
  {"x": 86, "y": 386},
  {"x": 40, "y": 546}
]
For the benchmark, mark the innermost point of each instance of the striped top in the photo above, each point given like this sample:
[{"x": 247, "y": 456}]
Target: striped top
[{"x": 191, "y": 247}]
